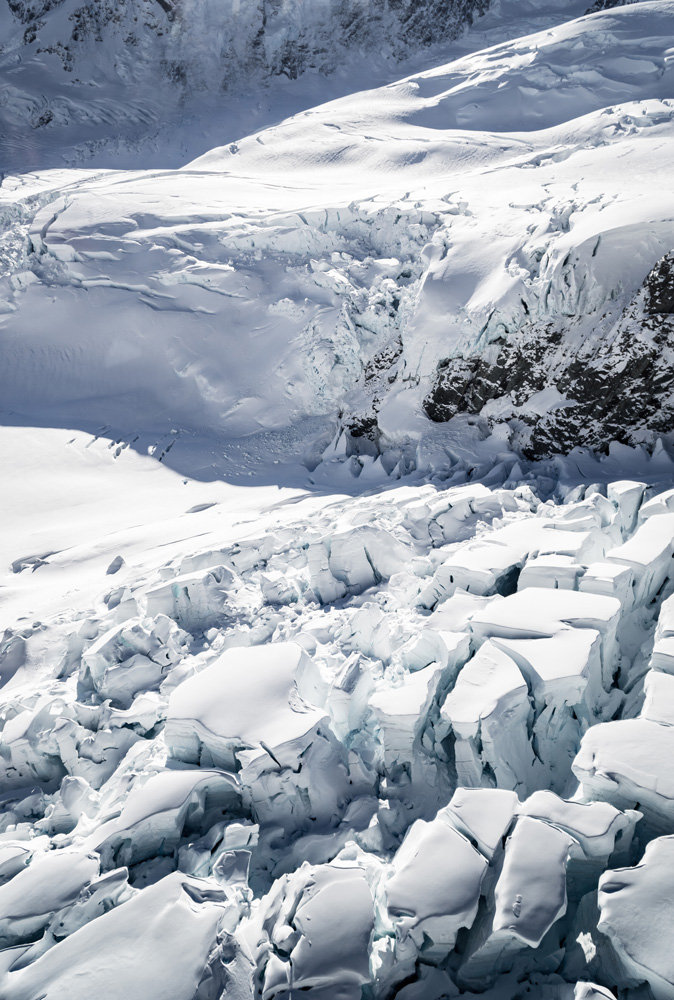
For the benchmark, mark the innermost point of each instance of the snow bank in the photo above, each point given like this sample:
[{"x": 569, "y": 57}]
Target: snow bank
[
  {"x": 243, "y": 711},
  {"x": 529, "y": 898},
  {"x": 625, "y": 763}
]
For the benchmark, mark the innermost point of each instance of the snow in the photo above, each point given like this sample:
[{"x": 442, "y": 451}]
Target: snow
[
  {"x": 434, "y": 886},
  {"x": 648, "y": 554},
  {"x": 594, "y": 825},
  {"x": 529, "y": 897},
  {"x": 624, "y": 763},
  {"x": 197, "y": 254},
  {"x": 609, "y": 579},
  {"x": 50, "y": 883},
  {"x": 628, "y": 496},
  {"x": 242, "y": 700},
  {"x": 304, "y": 690},
  {"x": 482, "y": 815},
  {"x": 566, "y": 663},
  {"x": 490, "y": 703},
  {"x": 156, "y": 812},
  {"x": 663, "y": 647},
  {"x": 157, "y": 943},
  {"x": 534, "y": 861},
  {"x": 362, "y": 737},
  {"x": 538, "y": 612},
  {"x": 658, "y": 691},
  {"x": 313, "y": 931},
  {"x": 556, "y": 571},
  {"x": 402, "y": 711},
  {"x": 628, "y": 893}
]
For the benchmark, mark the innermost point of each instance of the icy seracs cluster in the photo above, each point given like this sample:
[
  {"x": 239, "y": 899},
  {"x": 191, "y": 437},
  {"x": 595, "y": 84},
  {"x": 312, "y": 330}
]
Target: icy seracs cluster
[{"x": 412, "y": 747}]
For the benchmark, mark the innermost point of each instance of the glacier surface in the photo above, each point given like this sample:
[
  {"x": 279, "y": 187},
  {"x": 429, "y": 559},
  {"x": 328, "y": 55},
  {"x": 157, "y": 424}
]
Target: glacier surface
[{"x": 337, "y": 578}]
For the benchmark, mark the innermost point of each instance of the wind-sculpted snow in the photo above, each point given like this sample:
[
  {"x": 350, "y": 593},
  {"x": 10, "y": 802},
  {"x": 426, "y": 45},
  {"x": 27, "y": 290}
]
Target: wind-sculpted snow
[
  {"x": 621, "y": 894},
  {"x": 275, "y": 783}
]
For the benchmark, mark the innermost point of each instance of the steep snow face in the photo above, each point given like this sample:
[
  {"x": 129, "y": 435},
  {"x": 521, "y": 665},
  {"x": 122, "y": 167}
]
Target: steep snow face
[
  {"x": 324, "y": 670},
  {"x": 489, "y": 237},
  {"x": 76, "y": 72},
  {"x": 204, "y": 43}
]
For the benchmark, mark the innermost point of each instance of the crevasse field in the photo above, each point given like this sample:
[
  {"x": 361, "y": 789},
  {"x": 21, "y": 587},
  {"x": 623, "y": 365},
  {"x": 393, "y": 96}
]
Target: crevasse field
[{"x": 337, "y": 500}]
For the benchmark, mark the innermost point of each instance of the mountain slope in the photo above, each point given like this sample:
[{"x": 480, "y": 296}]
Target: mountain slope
[
  {"x": 337, "y": 562},
  {"x": 85, "y": 80},
  {"x": 471, "y": 239}
]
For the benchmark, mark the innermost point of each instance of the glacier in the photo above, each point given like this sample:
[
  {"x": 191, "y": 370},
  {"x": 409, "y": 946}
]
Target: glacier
[
  {"x": 337, "y": 578},
  {"x": 454, "y": 784}
]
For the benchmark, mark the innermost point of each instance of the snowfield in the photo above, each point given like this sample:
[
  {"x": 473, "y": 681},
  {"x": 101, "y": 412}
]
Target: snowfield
[{"x": 337, "y": 570}]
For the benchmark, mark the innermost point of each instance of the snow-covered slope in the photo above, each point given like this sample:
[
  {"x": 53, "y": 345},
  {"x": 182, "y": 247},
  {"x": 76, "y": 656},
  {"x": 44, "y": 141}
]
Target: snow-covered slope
[
  {"x": 472, "y": 239},
  {"x": 337, "y": 563},
  {"x": 110, "y": 78}
]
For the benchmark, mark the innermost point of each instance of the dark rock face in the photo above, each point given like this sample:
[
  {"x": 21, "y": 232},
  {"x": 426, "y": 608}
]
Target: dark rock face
[
  {"x": 31, "y": 10},
  {"x": 363, "y": 435},
  {"x": 619, "y": 388},
  {"x": 608, "y": 5},
  {"x": 520, "y": 368},
  {"x": 660, "y": 287},
  {"x": 264, "y": 38}
]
